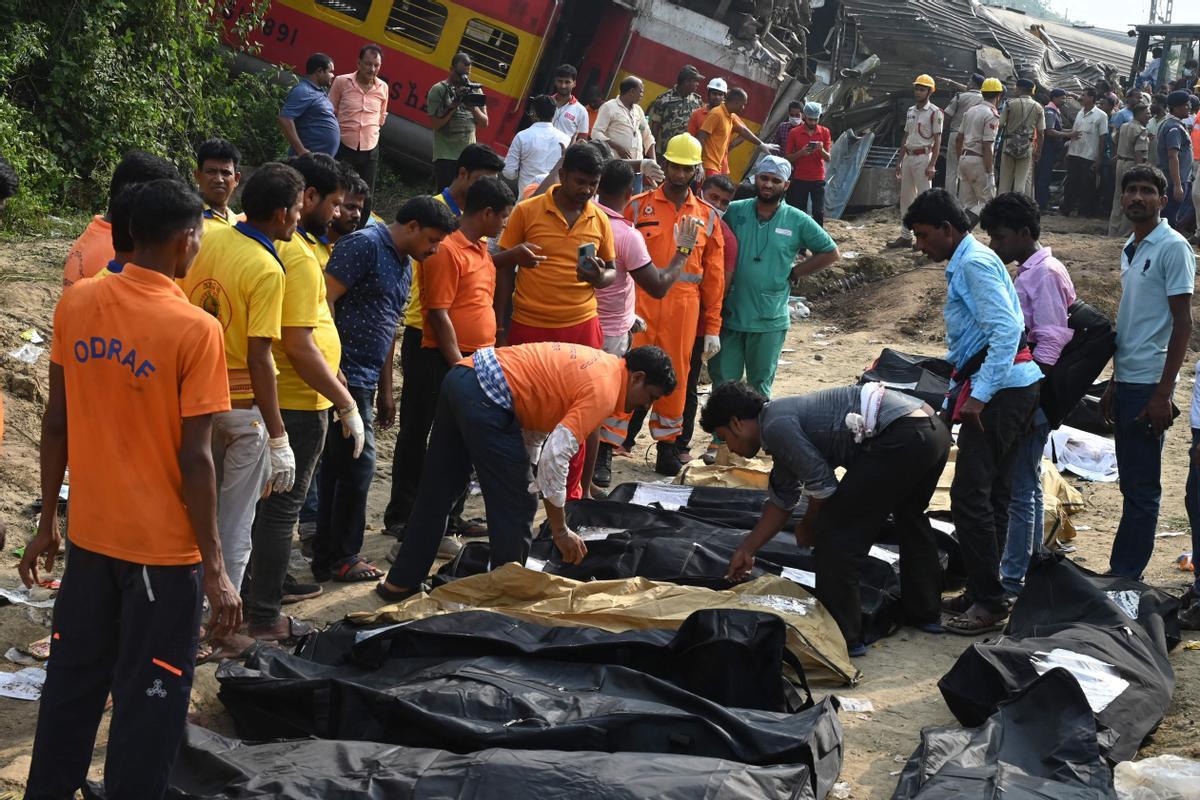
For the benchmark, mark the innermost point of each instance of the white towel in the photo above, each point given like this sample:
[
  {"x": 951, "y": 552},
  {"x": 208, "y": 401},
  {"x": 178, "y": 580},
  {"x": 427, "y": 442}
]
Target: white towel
[{"x": 865, "y": 424}]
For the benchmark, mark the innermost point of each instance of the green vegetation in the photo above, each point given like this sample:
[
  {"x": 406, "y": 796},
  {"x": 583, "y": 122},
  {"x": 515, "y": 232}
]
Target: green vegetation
[{"x": 83, "y": 82}]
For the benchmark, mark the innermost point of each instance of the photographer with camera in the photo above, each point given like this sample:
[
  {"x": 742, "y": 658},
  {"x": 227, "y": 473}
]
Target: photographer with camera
[{"x": 456, "y": 108}]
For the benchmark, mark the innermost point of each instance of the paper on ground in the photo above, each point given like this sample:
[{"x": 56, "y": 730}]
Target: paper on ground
[
  {"x": 21, "y": 597},
  {"x": 25, "y": 684}
]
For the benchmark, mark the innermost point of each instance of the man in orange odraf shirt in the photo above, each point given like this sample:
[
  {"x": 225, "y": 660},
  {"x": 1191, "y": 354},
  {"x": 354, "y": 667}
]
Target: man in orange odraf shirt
[
  {"x": 495, "y": 411},
  {"x": 136, "y": 375}
]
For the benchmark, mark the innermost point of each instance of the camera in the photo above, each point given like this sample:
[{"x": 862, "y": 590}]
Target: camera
[{"x": 471, "y": 95}]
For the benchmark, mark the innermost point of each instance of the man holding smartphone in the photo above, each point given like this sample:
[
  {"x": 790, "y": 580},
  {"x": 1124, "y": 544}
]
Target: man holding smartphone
[{"x": 808, "y": 148}]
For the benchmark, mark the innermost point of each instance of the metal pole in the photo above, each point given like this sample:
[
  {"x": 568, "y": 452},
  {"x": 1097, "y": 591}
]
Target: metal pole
[{"x": 1153, "y": 11}]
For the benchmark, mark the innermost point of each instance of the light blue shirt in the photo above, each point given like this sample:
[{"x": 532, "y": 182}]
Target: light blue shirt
[
  {"x": 982, "y": 310},
  {"x": 1161, "y": 266},
  {"x": 1120, "y": 118}
]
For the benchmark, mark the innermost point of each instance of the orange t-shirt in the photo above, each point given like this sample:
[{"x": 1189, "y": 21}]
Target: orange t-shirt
[
  {"x": 461, "y": 278},
  {"x": 550, "y": 295},
  {"x": 695, "y": 122},
  {"x": 718, "y": 124},
  {"x": 90, "y": 253},
  {"x": 553, "y": 383},
  {"x": 137, "y": 358}
]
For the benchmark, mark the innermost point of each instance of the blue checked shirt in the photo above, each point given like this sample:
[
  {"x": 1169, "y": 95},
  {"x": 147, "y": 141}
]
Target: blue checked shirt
[
  {"x": 491, "y": 377},
  {"x": 982, "y": 310}
]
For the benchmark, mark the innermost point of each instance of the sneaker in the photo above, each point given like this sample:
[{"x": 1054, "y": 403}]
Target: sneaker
[
  {"x": 668, "y": 461},
  {"x": 450, "y": 547},
  {"x": 294, "y": 591},
  {"x": 602, "y": 476}
]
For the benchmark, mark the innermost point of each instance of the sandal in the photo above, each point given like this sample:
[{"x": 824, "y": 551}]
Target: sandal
[
  {"x": 296, "y": 629},
  {"x": 976, "y": 620},
  {"x": 357, "y": 571},
  {"x": 958, "y": 604},
  {"x": 237, "y": 647}
]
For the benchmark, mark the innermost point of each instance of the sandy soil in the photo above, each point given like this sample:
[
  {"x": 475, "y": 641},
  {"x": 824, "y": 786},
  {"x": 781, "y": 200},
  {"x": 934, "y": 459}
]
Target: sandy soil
[{"x": 878, "y": 298}]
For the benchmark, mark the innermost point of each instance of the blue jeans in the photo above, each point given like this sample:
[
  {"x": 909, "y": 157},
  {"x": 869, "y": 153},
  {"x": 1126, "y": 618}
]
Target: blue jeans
[
  {"x": 342, "y": 497},
  {"x": 1139, "y": 460},
  {"x": 1192, "y": 501},
  {"x": 1025, "y": 512},
  {"x": 469, "y": 430}
]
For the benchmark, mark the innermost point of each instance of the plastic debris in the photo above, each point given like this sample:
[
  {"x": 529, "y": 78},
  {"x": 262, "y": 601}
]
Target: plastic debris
[
  {"x": 17, "y": 657},
  {"x": 27, "y": 353},
  {"x": 797, "y": 310},
  {"x": 39, "y": 649},
  {"x": 32, "y": 335},
  {"x": 1168, "y": 534},
  {"x": 1185, "y": 563},
  {"x": 855, "y": 705},
  {"x": 24, "y": 596},
  {"x": 1193, "y": 644},
  {"x": 840, "y": 791},
  {"x": 1160, "y": 778},
  {"x": 25, "y": 684}
]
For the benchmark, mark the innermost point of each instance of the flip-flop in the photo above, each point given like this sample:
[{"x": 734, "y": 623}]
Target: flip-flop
[
  {"x": 974, "y": 621},
  {"x": 349, "y": 572}
]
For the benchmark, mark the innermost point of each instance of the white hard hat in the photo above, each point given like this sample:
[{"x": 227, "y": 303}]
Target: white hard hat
[{"x": 718, "y": 84}]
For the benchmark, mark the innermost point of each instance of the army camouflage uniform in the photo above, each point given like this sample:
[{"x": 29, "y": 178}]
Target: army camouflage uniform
[{"x": 670, "y": 113}]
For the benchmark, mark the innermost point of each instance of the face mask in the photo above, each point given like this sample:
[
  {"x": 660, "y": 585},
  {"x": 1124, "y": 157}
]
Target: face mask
[{"x": 796, "y": 120}]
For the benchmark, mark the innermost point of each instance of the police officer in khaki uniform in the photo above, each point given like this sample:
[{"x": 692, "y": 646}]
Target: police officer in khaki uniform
[
  {"x": 1133, "y": 148},
  {"x": 977, "y": 158},
  {"x": 958, "y": 108},
  {"x": 919, "y": 152},
  {"x": 1024, "y": 122}
]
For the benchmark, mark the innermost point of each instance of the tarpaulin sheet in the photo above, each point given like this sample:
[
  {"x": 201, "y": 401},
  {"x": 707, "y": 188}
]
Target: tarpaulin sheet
[
  {"x": 633, "y": 604},
  {"x": 734, "y": 658},
  {"x": 212, "y": 767},
  {"x": 515, "y": 702},
  {"x": 1112, "y": 634},
  {"x": 923, "y": 377},
  {"x": 1040, "y": 745}
]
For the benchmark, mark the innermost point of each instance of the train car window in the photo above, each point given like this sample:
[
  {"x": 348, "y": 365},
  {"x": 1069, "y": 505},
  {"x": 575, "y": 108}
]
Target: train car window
[
  {"x": 491, "y": 49},
  {"x": 351, "y": 8},
  {"x": 418, "y": 21}
]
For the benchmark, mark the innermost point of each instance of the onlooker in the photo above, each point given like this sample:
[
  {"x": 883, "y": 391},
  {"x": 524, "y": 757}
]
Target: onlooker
[
  {"x": 954, "y": 114},
  {"x": 360, "y": 101},
  {"x": 807, "y": 148},
  {"x": 307, "y": 356},
  {"x": 238, "y": 278},
  {"x": 1051, "y": 150},
  {"x": 717, "y": 88},
  {"x": 919, "y": 150},
  {"x": 622, "y": 125},
  {"x": 92, "y": 251},
  {"x": 1133, "y": 98},
  {"x": 977, "y": 160},
  {"x": 454, "y": 116},
  {"x": 535, "y": 151},
  {"x": 996, "y": 386},
  {"x": 669, "y": 113},
  {"x": 1175, "y": 159},
  {"x": 1154, "y": 324},
  {"x": 144, "y": 546},
  {"x": 1149, "y": 76},
  {"x": 1158, "y": 115},
  {"x": 367, "y": 280},
  {"x": 795, "y": 117},
  {"x": 1083, "y": 156},
  {"x": 716, "y": 133},
  {"x": 1133, "y": 149},
  {"x": 217, "y": 174},
  {"x": 1045, "y": 292},
  {"x": 570, "y": 116},
  {"x": 307, "y": 118},
  {"x": 592, "y": 99}
]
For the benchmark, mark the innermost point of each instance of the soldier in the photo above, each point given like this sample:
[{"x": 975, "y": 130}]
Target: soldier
[
  {"x": 977, "y": 153},
  {"x": 919, "y": 152},
  {"x": 1024, "y": 124},
  {"x": 671, "y": 110},
  {"x": 958, "y": 108}
]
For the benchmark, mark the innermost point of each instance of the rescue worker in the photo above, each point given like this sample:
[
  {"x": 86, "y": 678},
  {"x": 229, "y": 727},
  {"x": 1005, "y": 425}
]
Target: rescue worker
[
  {"x": 671, "y": 320},
  {"x": 1024, "y": 122},
  {"x": 1133, "y": 149},
  {"x": 955, "y": 111},
  {"x": 977, "y": 157},
  {"x": 919, "y": 152}
]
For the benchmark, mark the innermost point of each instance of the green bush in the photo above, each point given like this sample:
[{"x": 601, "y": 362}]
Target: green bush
[{"x": 81, "y": 83}]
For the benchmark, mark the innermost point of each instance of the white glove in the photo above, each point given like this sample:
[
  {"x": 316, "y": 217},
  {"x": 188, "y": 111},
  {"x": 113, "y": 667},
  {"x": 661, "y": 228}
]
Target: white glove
[
  {"x": 639, "y": 325},
  {"x": 352, "y": 427},
  {"x": 652, "y": 171},
  {"x": 712, "y": 346},
  {"x": 687, "y": 230},
  {"x": 283, "y": 465}
]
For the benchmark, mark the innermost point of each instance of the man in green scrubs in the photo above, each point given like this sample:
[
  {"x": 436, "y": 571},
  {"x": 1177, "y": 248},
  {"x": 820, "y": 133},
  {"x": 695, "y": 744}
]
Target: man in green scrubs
[{"x": 770, "y": 234}]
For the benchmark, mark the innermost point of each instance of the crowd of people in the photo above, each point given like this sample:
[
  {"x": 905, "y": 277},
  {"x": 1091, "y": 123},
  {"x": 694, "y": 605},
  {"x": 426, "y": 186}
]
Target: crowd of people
[{"x": 218, "y": 379}]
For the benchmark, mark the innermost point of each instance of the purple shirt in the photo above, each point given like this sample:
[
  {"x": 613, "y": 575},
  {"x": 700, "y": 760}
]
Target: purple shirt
[
  {"x": 1045, "y": 291},
  {"x": 615, "y": 302}
]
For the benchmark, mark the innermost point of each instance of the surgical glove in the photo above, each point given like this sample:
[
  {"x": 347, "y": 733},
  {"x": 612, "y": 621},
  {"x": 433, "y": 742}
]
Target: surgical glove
[
  {"x": 712, "y": 346},
  {"x": 283, "y": 465},
  {"x": 352, "y": 427},
  {"x": 686, "y": 231},
  {"x": 651, "y": 170}
]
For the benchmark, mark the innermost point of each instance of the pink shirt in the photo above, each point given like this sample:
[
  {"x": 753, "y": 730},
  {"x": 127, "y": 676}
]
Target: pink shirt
[
  {"x": 615, "y": 302},
  {"x": 1045, "y": 291},
  {"x": 731, "y": 254},
  {"x": 360, "y": 114}
]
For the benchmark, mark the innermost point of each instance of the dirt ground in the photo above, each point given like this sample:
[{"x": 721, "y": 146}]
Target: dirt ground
[{"x": 877, "y": 298}]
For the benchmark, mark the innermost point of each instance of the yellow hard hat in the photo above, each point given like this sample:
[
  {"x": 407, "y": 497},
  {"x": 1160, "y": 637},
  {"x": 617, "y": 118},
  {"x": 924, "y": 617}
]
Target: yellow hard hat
[
  {"x": 925, "y": 80},
  {"x": 683, "y": 149},
  {"x": 992, "y": 85}
]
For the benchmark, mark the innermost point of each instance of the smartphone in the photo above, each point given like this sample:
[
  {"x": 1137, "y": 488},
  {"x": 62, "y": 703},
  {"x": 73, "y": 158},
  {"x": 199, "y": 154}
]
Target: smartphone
[{"x": 586, "y": 253}]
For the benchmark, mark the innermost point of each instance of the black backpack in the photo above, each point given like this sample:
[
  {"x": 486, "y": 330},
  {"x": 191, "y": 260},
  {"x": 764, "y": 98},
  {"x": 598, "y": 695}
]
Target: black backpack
[{"x": 1080, "y": 363}]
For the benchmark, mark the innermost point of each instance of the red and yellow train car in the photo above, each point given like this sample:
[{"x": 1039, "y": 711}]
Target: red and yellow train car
[{"x": 514, "y": 46}]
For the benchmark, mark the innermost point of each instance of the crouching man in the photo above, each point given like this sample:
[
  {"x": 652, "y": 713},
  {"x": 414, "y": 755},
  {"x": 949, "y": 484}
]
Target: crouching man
[
  {"x": 893, "y": 447},
  {"x": 494, "y": 411}
]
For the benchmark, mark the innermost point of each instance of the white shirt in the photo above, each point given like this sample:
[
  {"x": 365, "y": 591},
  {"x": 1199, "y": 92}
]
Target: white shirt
[
  {"x": 533, "y": 153},
  {"x": 1092, "y": 126},
  {"x": 571, "y": 118},
  {"x": 624, "y": 129}
]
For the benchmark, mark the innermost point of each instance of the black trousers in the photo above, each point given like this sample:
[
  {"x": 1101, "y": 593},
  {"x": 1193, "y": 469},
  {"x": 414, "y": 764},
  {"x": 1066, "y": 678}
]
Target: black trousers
[
  {"x": 692, "y": 403},
  {"x": 982, "y": 488},
  {"x": 130, "y": 630},
  {"x": 894, "y": 473},
  {"x": 366, "y": 164},
  {"x": 800, "y": 192},
  {"x": 1080, "y": 192}
]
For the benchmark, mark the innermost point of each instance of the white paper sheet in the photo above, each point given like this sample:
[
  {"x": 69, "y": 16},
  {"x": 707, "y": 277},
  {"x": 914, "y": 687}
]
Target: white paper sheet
[
  {"x": 882, "y": 554},
  {"x": 800, "y": 576},
  {"x": 25, "y": 684},
  {"x": 668, "y": 496},
  {"x": 1101, "y": 683}
]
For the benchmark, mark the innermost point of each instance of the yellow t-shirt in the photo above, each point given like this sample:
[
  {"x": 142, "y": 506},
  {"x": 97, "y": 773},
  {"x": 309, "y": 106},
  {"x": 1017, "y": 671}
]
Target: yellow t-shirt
[
  {"x": 214, "y": 221},
  {"x": 304, "y": 306},
  {"x": 414, "y": 316},
  {"x": 239, "y": 280}
]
